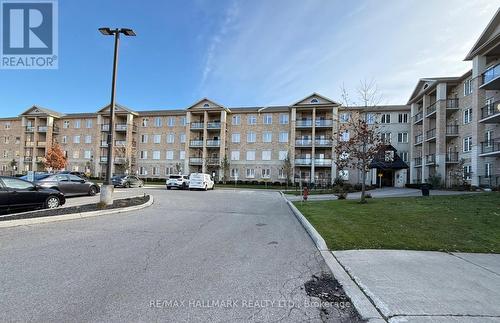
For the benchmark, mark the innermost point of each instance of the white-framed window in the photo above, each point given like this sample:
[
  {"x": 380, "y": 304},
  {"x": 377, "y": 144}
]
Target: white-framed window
[
  {"x": 267, "y": 118},
  {"x": 235, "y": 155},
  {"x": 385, "y": 137},
  {"x": 267, "y": 136},
  {"x": 144, "y": 122},
  {"x": 144, "y": 154},
  {"x": 266, "y": 155},
  {"x": 250, "y": 173},
  {"x": 7, "y": 125},
  {"x": 235, "y": 173},
  {"x": 77, "y": 123},
  {"x": 66, "y": 124},
  {"x": 182, "y": 155},
  {"x": 283, "y": 154},
  {"x": 284, "y": 118},
  {"x": 266, "y": 173},
  {"x": 88, "y": 139},
  {"x": 467, "y": 172},
  {"x": 183, "y": 121},
  {"x": 169, "y": 170},
  {"x": 76, "y": 139},
  {"x": 5, "y": 154},
  {"x": 156, "y": 171},
  {"x": 144, "y": 138},
  {"x": 64, "y": 139},
  {"x": 345, "y": 117},
  {"x": 236, "y": 120},
  {"x": 403, "y": 118},
  {"x": 467, "y": 115},
  {"x": 156, "y": 154},
  {"x": 283, "y": 136},
  {"x": 76, "y": 154},
  {"x": 158, "y": 122},
  {"x": 344, "y": 136},
  {"x": 487, "y": 170},
  {"x": 6, "y": 140},
  {"x": 385, "y": 118},
  {"x": 389, "y": 155},
  {"x": 143, "y": 171},
  {"x": 371, "y": 118},
  {"x": 170, "y": 154},
  {"x": 87, "y": 154},
  {"x": 404, "y": 156},
  {"x": 467, "y": 87},
  {"x": 18, "y": 140},
  {"x": 251, "y": 137},
  {"x": 88, "y": 123},
  {"x": 251, "y": 120},
  {"x": 251, "y": 155},
  {"x": 235, "y": 137},
  {"x": 403, "y": 137},
  {"x": 467, "y": 146},
  {"x": 281, "y": 173},
  {"x": 182, "y": 138},
  {"x": 171, "y": 121},
  {"x": 157, "y": 139},
  {"x": 488, "y": 138}
]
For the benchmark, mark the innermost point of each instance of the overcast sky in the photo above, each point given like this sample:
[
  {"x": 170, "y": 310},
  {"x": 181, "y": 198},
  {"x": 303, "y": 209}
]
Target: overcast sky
[{"x": 247, "y": 53}]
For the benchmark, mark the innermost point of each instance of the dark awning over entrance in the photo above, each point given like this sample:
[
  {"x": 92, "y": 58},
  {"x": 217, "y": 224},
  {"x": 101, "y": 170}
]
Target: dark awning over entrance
[{"x": 388, "y": 158}]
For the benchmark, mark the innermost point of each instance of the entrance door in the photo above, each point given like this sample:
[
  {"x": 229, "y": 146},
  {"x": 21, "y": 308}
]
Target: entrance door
[{"x": 387, "y": 177}]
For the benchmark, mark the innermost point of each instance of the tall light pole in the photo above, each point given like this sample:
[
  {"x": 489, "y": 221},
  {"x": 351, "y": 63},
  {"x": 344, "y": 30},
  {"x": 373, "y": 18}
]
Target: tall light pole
[{"x": 107, "y": 188}]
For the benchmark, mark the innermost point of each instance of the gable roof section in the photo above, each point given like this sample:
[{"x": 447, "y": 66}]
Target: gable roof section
[
  {"x": 322, "y": 100},
  {"x": 118, "y": 108},
  {"x": 37, "y": 110},
  {"x": 426, "y": 84},
  {"x": 489, "y": 36},
  {"x": 206, "y": 104}
]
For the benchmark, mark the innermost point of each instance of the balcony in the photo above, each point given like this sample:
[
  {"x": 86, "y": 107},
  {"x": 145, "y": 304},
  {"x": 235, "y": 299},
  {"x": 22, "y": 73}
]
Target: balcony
[
  {"x": 213, "y": 125},
  {"x": 103, "y": 159},
  {"x": 121, "y": 127},
  {"x": 490, "y": 181},
  {"x": 120, "y": 143},
  {"x": 452, "y": 157},
  {"x": 431, "y": 109},
  {"x": 303, "y": 142},
  {"x": 213, "y": 143},
  {"x": 323, "y": 123},
  {"x": 28, "y": 159},
  {"x": 196, "y": 143},
  {"x": 303, "y": 161},
  {"x": 55, "y": 129},
  {"x": 418, "y": 161},
  {"x": 213, "y": 161},
  {"x": 430, "y": 159},
  {"x": 418, "y": 139},
  {"x": 40, "y": 159},
  {"x": 318, "y": 142},
  {"x": 42, "y": 128},
  {"x": 490, "y": 148},
  {"x": 41, "y": 144},
  {"x": 29, "y": 129},
  {"x": 29, "y": 143},
  {"x": 452, "y": 130},
  {"x": 430, "y": 134},
  {"x": 120, "y": 160},
  {"x": 195, "y": 161},
  {"x": 197, "y": 125},
  {"x": 304, "y": 123},
  {"x": 105, "y": 127},
  {"x": 491, "y": 78},
  {"x": 325, "y": 162},
  {"x": 452, "y": 104},
  {"x": 104, "y": 143},
  {"x": 417, "y": 118},
  {"x": 490, "y": 113}
]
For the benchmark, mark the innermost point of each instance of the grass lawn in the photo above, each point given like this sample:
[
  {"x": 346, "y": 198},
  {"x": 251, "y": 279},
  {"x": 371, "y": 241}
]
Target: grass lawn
[{"x": 468, "y": 223}]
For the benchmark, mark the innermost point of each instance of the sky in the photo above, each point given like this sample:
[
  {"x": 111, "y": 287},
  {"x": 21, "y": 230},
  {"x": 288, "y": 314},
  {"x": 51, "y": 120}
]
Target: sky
[{"x": 247, "y": 53}]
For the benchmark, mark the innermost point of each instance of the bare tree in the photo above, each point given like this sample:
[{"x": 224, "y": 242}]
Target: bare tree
[
  {"x": 224, "y": 168},
  {"x": 287, "y": 169}
]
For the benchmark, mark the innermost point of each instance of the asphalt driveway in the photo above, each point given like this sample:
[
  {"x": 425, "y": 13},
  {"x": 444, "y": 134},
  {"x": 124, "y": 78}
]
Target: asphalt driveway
[{"x": 221, "y": 255}]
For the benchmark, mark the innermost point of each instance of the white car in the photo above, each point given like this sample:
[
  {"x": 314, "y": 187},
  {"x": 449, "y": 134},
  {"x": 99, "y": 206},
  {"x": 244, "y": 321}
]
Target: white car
[
  {"x": 178, "y": 181},
  {"x": 201, "y": 182}
]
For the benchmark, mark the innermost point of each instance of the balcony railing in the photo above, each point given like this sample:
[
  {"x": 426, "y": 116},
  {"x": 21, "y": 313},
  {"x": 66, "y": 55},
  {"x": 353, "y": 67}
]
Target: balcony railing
[
  {"x": 452, "y": 104},
  {"x": 418, "y": 161},
  {"x": 120, "y": 143},
  {"x": 105, "y": 127},
  {"x": 103, "y": 159},
  {"x": 430, "y": 159},
  {"x": 29, "y": 144},
  {"x": 28, "y": 159},
  {"x": 120, "y": 160},
  {"x": 104, "y": 143},
  {"x": 196, "y": 125},
  {"x": 29, "y": 129},
  {"x": 213, "y": 161},
  {"x": 195, "y": 160},
  {"x": 419, "y": 138},
  {"x": 213, "y": 125},
  {"x": 304, "y": 123},
  {"x": 303, "y": 161},
  {"x": 213, "y": 143},
  {"x": 418, "y": 117},
  {"x": 452, "y": 157},
  {"x": 430, "y": 109},
  {"x": 430, "y": 134},
  {"x": 490, "y": 109},
  {"x": 323, "y": 123},
  {"x": 451, "y": 130},
  {"x": 121, "y": 127},
  {"x": 42, "y": 128},
  {"x": 322, "y": 142},
  {"x": 491, "y": 74},
  {"x": 303, "y": 142},
  {"x": 491, "y": 146},
  {"x": 196, "y": 143},
  {"x": 323, "y": 162},
  {"x": 41, "y": 144}
]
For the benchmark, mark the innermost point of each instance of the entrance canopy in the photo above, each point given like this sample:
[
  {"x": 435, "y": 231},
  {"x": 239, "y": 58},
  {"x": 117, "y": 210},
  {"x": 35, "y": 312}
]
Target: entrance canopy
[{"x": 388, "y": 158}]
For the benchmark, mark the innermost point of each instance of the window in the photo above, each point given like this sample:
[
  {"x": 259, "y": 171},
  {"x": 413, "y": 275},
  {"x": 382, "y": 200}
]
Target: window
[
  {"x": 157, "y": 139},
  {"x": 6, "y": 140},
  {"x": 169, "y": 170},
  {"x": 266, "y": 173},
  {"x": 88, "y": 139},
  {"x": 283, "y": 154},
  {"x": 467, "y": 87},
  {"x": 156, "y": 171},
  {"x": 467, "y": 144},
  {"x": 143, "y": 170},
  {"x": 266, "y": 155},
  {"x": 235, "y": 155},
  {"x": 467, "y": 172},
  {"x": 18, "y": 140},
  {"x": 370, "y": 118},
  {"x": 76, "y": 154},
  {"x": 389, "y": 156},
  {"x": 77, "y": 123},
  {"x": 144, "y": 139},
  {"x": 182, "y": 155},
  {"x": 87, "y": 154},
  {"x": 284, "y": 118},
  {"x": 88, "y": 123},
  {"x": 235, "y": 138},
  {"x": 251, "y": 137},
  {"x": 66, "y": 124},
  {"x": 267, "y": 136},
  {"x": 76, "y": 139},
  {"x": 281, "y": 173},
  {"x": 283, "y": 136},
  {"x": 250, "y": 173},
  {"x": 314, "y": 100},
  {"x": 156, "y": 154},
  {"x": 344, "y": 117},
  {"x": 170, "y": 154},
  {"x": 487, "y": 170},
  {"x": 144, "y": 154},
  {"x": 403, "y": 137},
  {"x": 144, "y": 122},
  {"x": 467, "y": 116},
  {"x": 183, "y": 121},
  {"x": 157, "y": 122},
  {"x": 236, "y": 120},
  {"x": 488, "y": 138},
  {"x": 170, "y": 138},
  {"x": 171, "y": 121},
  {"x": 403, "y": 118},
  {"x": 7, "y": 125},
  {"x": 234, "y": 173},
  {"x": 5, "y": 154},
  {"x": 268, "y": 119},
  {"x": 344, "y": 136},
  {"x": 17, "y": 184},
  {"x": 182, "y": 138},
  {"x": 385, "y": 137},
  {"x": 251, "y": 155},
  {"x": 252, "y": 120},
  {"x": 65, "y": 139},
  {"x": 386, "y": 118},
  {"x": 404, "y": 156}
]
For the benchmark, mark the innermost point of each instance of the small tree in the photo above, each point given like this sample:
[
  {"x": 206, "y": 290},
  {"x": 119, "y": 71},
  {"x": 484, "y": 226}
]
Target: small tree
[
  {"x": 55, "y": 159},
  {"x": 287, "y": 168},
  {"x": 178, "y": 168},
  {"x": 13, "y": 166},
  {"x": 224, "y": 167}
]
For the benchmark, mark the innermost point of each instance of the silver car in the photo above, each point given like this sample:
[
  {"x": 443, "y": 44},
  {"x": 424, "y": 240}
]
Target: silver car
[{"x": 68, "y": 184}]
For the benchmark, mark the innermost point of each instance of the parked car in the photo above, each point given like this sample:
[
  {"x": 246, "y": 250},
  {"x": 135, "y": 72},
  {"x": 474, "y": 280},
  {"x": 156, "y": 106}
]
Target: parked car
[
  {"x": 201, "y": 181},
  {"x": 17, "y": 195},
  {"x": 178, "y": 181},
  {"x": 79, "y": 174},
  {"x": 68, "y": 184},
  {"x": 127, "y": 181},
  {"x": 37, "y": 176}
]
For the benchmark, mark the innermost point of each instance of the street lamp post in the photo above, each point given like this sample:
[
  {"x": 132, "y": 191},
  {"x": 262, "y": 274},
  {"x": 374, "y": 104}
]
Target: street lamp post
[{"x": 107, "y": 188}]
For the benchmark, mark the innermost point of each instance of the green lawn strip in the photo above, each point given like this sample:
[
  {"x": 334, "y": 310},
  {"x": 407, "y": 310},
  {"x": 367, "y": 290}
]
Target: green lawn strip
[{"x": 467, "y": 223}]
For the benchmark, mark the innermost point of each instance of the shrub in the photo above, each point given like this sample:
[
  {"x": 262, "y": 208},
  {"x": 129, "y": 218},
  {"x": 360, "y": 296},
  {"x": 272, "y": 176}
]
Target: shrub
[
  {"x": 435, "y": 181},
  {"x": 358, "y": 187},
  {"x": 338, "y": 181},
  {"x": 341, "y": 195},
  {"x": 368, "y": 195}
]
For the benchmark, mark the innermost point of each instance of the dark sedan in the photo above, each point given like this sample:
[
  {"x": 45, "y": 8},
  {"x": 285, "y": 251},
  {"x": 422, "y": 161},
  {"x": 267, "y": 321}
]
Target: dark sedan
[
  {"x": 18, "y": 195},
  {"x": 127, "y": 181},
  {"x": 68, "y": 184}
]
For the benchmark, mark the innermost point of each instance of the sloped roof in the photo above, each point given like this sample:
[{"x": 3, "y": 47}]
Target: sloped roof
[
  {"x": 43, "y": 110},
  {"x": 431, "y": 83},
  {"x": 314, "y": 94},
  {"x": 212, "y": 104},
  {"x": 489, "y": 36},
  {"x": 380, "y": 162},
  {"x": 118, "y": 106}
]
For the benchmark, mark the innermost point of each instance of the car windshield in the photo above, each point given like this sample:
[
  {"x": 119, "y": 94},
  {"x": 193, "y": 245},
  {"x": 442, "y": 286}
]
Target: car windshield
[
  {"x": 175, "y": 176},
  {"x": 118, "y": 177}
]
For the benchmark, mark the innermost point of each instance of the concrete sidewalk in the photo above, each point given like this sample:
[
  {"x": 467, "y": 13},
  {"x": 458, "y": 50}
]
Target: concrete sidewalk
[{"x": 426, "y": 286}]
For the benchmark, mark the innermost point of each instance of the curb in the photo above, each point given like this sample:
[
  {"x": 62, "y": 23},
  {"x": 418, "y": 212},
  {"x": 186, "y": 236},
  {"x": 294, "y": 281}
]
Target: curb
[
  {"x": 361, "y": 302},
  {"x": 73, "y": 216}
]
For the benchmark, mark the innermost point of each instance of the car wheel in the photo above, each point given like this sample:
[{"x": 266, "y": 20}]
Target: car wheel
[
  {"x": 168, "y": 187},
  {"x": 92, "y": 191},
  {"x": 183, "y": 186},
  {"x": 52, "y": 202},
  {"x": 127, "y": 185}
]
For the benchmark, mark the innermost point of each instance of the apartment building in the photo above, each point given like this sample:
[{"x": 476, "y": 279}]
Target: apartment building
[{"x": 254, "y": 140}]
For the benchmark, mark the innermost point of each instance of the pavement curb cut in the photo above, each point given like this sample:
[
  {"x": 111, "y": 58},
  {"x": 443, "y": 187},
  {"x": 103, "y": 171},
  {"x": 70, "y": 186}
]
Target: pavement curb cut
[
  {"x": 363, "y": 305},
  {"x": 73, "y": 216}
]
